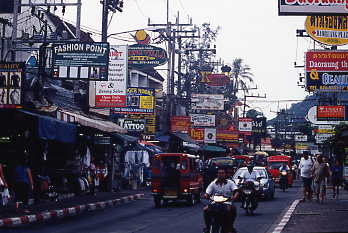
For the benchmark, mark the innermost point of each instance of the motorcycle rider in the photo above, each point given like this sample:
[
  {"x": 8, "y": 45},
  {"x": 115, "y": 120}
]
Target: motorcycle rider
[
  {"x": 283, "y": 167},
  {"x": 229, "y": 189},
  {"x": 251, "y": 175}
]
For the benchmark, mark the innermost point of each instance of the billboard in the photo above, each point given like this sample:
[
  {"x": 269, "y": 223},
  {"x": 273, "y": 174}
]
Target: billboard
[
  {"x": 132, "y": 125},
  {"x": 217, "y": 80},
  {"x": 202, "y": 120},
  {"x": 11, "y": 78},
  {"x": 207, "y": 102},
  {"x": 330, "y": 113},
  {"x": 326, "y": 70},
  {"x": 312, "y": 7},
  {"x": 180, "y": 124},
  {"x": 139, "y": 101},
  {"x": 144, "y": 56},
  {"x": 77, "y": 60},
  {"x": 329, "y": 30},
  {"x": 112, "y": 93},
  {"x": 150, "y": 122},
  {"x": 245, "y": 125},
  {"x": 227, "y": 136}
]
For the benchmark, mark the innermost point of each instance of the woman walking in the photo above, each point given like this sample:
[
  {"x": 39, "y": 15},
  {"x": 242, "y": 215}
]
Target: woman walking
[
  {"x": 336, "y": 177},
  {"x": 321, "y": 173}
]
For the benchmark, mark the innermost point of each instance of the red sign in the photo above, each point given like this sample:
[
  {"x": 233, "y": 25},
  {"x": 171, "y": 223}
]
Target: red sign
[
  {"x": 180, "y": 123},
  {"x": 330, "y": 112},
  {"x": 227, "y": 136},
  {"x": 327, "y": 61},
  {"x": 197, "y": 134},
  {"x": 110, "y": 101},
  {"x": 218, "y": 80}
]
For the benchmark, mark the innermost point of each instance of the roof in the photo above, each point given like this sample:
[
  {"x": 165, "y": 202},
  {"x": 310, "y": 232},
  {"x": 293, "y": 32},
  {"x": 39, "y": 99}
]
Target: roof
[
  {"x": 150, "y": 71},
  {"x": 62, "y": 25}
]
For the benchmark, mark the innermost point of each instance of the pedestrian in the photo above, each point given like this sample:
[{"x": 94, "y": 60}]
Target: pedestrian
[
  {"x": 320, "y": 175},
  {"x": 336, "y": 177},
  {"x": 23, "y": 183},
  {"x": 306, "y": 165}
]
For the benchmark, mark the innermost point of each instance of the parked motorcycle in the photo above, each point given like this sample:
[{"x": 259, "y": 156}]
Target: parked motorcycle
[
  {"x": 45, "y": 189},
  {"x": 218, "y": 208},
  {"x": 283, "y": 180},
  {"x": 249, "y": 191}
]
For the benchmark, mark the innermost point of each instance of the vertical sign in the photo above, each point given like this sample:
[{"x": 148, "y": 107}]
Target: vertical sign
[
  {"x": 11, "y": 74},
  {"x": 112, "y": 93}
]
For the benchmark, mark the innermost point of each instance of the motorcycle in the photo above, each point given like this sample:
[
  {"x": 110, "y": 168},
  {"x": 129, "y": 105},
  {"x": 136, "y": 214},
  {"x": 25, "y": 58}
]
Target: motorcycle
[
  {"x": 283, "y": 180},
  {"x": 218, "y": 208},
  {"x": 248, "y": 192},
  {"x": 45, "y": 189}
]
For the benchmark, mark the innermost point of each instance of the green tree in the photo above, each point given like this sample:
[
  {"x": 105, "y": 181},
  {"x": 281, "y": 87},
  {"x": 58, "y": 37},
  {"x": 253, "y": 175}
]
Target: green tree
[{"x": 241, "y": 75}]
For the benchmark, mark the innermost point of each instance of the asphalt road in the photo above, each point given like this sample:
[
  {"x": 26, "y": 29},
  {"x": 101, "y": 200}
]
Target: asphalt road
[{"x": 141, "y": 216}]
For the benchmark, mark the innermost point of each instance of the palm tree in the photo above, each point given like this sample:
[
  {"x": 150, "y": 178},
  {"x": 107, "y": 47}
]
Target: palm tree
[{"x": 241, "y": 75}]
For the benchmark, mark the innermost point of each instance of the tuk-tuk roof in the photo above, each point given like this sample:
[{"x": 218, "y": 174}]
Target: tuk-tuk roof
[
  {"x": 177, "y": 154},
  {"x": 279, "y": 158}
]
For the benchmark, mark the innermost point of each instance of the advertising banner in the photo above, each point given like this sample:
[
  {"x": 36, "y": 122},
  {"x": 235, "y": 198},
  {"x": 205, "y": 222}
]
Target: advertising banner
[
  {"x": 209, "y": 135},
  {"x": 144, "y": 56},
  {"x": 132, "y": 125},
  {"x": 217, "y": 80},
  {"x": 11, "y": 78},
  {"x": 203, "y": 120},
  {"x": 112, "y": 93},
  {"x": 180, "y": 124},
  {"x": 207, "y": 102},
  {"x": 330, "y": 113},
  {"x": 312, "y": 7},
  {"x": 245, "y": 125},
  {"x": 327, "y": 70},
  {"x": 329, "y": 30},
  {"x": 227, "y": 136},
  {"x": 197, "y": 134},
  {"x": 259, "y": 126},
  {"x": 139, "y": 101},
  {"x": 150, "y": 122},
  {"x": 77, "y": 60}
]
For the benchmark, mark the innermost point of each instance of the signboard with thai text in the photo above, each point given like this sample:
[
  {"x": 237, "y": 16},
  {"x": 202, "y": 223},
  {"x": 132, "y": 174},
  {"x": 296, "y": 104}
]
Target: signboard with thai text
[
  {"x": 207, "y": 102},
  {"x": 77, "y": 60},
  {"x": 330, "y": 113},
  {"x": 217, "y": 80},
  {"x": 180, "y": 124},
  {"x": 197, "y": 134},
  {"x": 202, "y": 120},
  {"x": 112, "y": 93},
  {"x": 144, "y": 56},
  {"x": 312, "y": 7},
  {"x": 227, "y": 136}
]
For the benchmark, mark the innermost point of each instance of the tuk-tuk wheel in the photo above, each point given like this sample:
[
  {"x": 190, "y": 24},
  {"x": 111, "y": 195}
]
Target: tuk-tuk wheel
[{"x": 157, "y": 202}]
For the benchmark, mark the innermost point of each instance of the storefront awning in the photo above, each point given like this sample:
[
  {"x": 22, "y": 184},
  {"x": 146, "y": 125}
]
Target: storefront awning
[
  {"x": 185, "y": 137},
  {"x": 105, "y": 126},
  {"x": 213, "y": 148},
  {"x": 125, "y": 137}
]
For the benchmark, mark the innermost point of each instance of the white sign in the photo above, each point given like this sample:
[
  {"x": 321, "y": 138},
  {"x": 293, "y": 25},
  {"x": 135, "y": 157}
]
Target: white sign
[
  {"x": 209, "y": 135},
  {"x": 203, "y": 120},
  {"x": 245, "y": 124},
  {"x": 300, "y": 138},
  {"x": 320, "y": 138},
  {"x": 112, "y": 93},
  {"x": 312, "y": 117},
  {"x": 325, "y": 127},
  {"x": 310, "y": 7},
  {"x": 207, "y": 102}
]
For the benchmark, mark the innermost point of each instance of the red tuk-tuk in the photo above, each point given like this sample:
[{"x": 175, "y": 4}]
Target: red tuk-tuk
[
  {"x": 176, "y": 176},
  {"x": 275, "y": 162},
  {"x": 241, "y": 160}
]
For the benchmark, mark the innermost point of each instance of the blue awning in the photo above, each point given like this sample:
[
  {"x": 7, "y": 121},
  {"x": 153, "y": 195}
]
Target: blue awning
[
  {"x": 213, "y": 148},
  {"x": 50, "y": 128}
]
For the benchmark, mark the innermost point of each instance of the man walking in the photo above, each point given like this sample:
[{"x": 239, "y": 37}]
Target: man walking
[{"x": 306, "y": 166}]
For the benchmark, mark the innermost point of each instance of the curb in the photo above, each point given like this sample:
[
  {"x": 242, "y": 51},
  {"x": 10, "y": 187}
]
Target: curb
[
  {"x": 72, "y": 211},
  {"x": 286, "y": 217}
]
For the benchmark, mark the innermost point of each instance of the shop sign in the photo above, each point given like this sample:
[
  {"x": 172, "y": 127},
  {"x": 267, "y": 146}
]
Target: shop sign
[
  {"x": 327, "y": 70},
  {"x": 312, "y": 7},
  {"x": 209, "y": 135},
  {"x": 300, "y": 138},
  {"x": 77, "y": 60},
  {"x": 112, "y": 93},
  {"x": 321, "y": 138},
  {"x": 259, "y": 125},
  {"x": 207, "y": 102},
  {"x": 150, "y": 122},
  {"x": 329, "y": 30},
  {"x": 330, "y": 113},
  {"x": 217, "y": 80},
  {"x": 203, "y": 120},
  {"x": 139, "y": 101},
  {"x": 312, "y": 117},
  {"x": 227, "y": 136},
  {"x": 145, "y": 56},
  {"x": 302, "y": 146},
  {"x": 197, "y": 134},
  {"x": 180, "y": 124},
  {"x": 132, "y": 125},
  {"x": 11, "y": 78},
  {"x": 245, "y": 125}
]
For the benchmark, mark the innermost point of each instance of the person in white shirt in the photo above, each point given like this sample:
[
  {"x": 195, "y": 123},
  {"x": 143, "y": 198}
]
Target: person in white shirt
[
  {"x": 226, "y": 187},
  {"x": 306, "y": 165}
]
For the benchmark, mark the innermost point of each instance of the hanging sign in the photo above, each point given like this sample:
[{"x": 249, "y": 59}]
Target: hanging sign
[
  {"x": 77, "y": 60},
  {"x": 245, "y": 125},
  {"x": 112, "y": 93},
  {"x": 209, "y": 135},
  {"x": 329, "y": 30},
  {"x": 217, "y": 80},
  {"x": 180, "y": 124},
  {"x": 11, "y": 76},
  {"x": 144, "y": 56},
  {"x": 197, "y": 134},
  {"x": 202, "y": 120}
]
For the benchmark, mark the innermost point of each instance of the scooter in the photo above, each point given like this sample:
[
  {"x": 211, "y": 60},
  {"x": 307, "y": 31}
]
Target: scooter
[
  {"x": 283, "y": 180},
  {"x": 45, "y": 188},
  {"x": 218, "y": 208},
  {"x": 248, "y": 190}
]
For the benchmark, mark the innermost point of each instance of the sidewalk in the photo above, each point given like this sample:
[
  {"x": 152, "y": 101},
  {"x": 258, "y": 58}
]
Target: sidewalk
[
  {"x": 331, "y": 216},
  {"x": 74, "y": 205}
]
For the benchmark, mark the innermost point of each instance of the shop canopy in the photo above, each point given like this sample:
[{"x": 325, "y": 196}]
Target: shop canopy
[
  {"x": 105, "y": 126},
  {"x": 125, "y": 137},
  {"x": 185, "y": 137},
  {"x": 213, "y": 148}
]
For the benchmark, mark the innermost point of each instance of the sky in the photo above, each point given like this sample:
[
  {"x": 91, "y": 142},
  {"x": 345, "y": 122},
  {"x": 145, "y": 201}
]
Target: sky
[{"x": 251, "y": 30}]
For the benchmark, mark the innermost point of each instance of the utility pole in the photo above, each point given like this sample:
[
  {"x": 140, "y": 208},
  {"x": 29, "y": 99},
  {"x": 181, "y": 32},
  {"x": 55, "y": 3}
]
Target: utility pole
[
  {"x": 251, "y": 96},
  {"x": 109, "y": 5}
]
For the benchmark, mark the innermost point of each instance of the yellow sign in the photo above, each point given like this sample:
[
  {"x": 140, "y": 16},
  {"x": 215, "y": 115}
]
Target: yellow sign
[
  {"x": 329, "y": 30},
  {"x": 146, "y": 102}
]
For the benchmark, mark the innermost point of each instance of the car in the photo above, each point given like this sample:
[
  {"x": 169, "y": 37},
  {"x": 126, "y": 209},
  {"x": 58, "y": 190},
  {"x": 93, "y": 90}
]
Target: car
[{"x": 267, "y": 183}]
